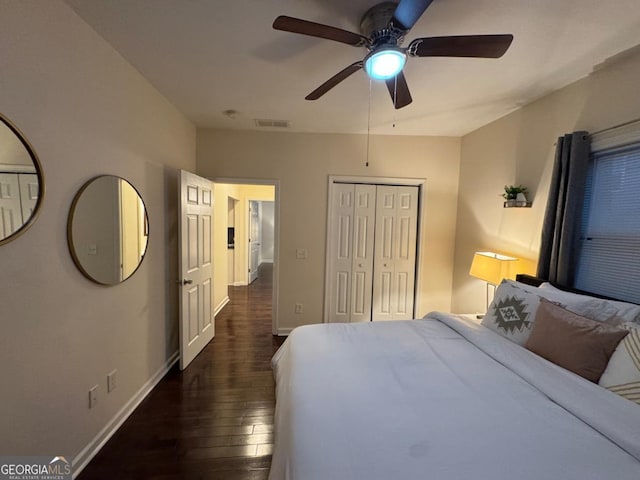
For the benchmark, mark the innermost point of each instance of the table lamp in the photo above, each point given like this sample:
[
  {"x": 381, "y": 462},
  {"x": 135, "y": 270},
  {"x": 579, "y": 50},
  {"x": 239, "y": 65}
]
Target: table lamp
[{"x": 492, "y": 268}]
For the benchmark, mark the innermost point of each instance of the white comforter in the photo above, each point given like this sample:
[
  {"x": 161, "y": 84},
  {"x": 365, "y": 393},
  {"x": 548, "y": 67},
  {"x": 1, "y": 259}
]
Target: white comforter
[{"x": 440, "y": 398}]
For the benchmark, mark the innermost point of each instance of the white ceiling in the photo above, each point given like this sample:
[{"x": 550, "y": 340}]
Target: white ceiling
[{"x": 208, "y": 56}]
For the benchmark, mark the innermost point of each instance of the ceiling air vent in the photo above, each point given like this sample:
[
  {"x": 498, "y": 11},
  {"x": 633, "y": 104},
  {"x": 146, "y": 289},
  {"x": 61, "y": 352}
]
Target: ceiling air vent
[{"x": 262, "y": 122}]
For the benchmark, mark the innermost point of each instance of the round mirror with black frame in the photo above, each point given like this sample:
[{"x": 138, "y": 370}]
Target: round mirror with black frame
[
  {"x": 108, "y": 230},
  {"x": 21, "y": 182}
]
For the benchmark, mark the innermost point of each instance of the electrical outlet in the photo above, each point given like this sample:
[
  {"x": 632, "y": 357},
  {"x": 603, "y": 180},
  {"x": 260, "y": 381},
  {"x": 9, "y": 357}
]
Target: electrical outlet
[
  {"x": 298, "y": 308},
  {"x": 111, "y": 381},
  {"x": 93, "y": 249},
  {"x": 301, "y": 253},
  {"x": 93, "y": 396}
]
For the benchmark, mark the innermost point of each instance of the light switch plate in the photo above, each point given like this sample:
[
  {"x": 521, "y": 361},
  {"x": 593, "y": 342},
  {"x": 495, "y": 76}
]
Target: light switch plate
[
  {"x": 111, "y": 381},
  {"x": 93, "y": 396}
]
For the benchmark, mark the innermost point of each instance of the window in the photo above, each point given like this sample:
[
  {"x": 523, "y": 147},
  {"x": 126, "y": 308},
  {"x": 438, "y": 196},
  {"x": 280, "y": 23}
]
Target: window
[{"x": 608, "y": 260}]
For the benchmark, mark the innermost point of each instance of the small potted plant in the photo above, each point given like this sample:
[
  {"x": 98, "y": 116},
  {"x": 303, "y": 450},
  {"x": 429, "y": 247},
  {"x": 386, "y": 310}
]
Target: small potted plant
[{"x": 515, "y": 195}]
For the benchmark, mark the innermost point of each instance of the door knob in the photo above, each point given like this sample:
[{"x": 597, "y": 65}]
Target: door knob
[{"x": 187, "y": 282}]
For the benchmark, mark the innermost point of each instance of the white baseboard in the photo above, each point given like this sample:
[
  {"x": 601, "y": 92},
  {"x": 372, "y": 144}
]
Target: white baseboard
[
  {"x": 266, "y": 260},
  {"x": 283, "y": 332},
  {"x": 223, "y": 303},
  {"x": 240, "y": 284},
  {"x": 84, "y": 457}
]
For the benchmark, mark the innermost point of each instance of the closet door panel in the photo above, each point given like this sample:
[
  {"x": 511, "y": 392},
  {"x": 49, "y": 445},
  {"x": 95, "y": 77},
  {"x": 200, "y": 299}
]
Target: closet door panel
[
  {"x": 405, "y": 253},
  {"x": 29, "y": 190},
  {"x": 364, "y": 211},
  {"x": 385, "y": 246},
  {"x": 394, "y": 266},
  {"x": 341, "y": 253},
  {"x": 10, "y": 210},
  {"x": 342, "y": 295}
]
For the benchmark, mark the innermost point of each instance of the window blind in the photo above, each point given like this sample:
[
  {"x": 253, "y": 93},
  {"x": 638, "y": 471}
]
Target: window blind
[
  {"x": 627, "y": 134},
  {"x": 609, "y": 254}
]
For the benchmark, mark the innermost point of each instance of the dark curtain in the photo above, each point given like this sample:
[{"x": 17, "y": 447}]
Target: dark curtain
[{"x": 561, "y": 227}]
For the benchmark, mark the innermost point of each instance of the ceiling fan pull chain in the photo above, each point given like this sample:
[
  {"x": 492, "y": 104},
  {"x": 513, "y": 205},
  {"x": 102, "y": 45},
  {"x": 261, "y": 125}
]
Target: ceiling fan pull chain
[
  {"x": 395, "y": 99},
  {"x": 366, "y": 164}
]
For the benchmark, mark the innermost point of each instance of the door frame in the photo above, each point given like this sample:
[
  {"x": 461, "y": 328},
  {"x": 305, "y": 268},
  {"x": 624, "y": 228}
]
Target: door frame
[
  {"x": 276, "y": 237},
  {"x": 421, "y": 183}
]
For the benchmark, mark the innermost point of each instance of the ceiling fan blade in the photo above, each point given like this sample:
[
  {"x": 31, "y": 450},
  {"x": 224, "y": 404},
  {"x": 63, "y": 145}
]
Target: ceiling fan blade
[
  {"x": 399, "y": 91},
  {"x": 304, "y": 27},
  {"x": 483, "y": 46},
  {"x": 408, "y": 12},
  {"x": 333, "y": 81}
]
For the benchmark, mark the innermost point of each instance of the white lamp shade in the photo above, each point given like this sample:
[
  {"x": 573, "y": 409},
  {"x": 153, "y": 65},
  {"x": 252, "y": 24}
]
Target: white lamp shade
[{"x": 493, "y": 267}]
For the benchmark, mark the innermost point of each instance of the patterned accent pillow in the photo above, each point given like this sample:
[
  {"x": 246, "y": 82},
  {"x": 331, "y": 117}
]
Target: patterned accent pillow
[
  {"x": 622, "y": 375},
  {"x": 512, "y": 312}
]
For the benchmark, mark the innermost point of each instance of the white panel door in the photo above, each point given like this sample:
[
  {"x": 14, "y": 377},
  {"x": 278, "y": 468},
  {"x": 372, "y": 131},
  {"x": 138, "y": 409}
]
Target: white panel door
[
  {"x": 254, "y": 239},
  {"x": 10, "y": 210},
  {"x": 340, "y": 252},
  {"x": 395, "y": 252},
  {"x": 364, "y": 214},
  {"x": 29, "y": 188},
  {"x": 371, "y": 252},
  {"x": 351, "y": 270},
  {"x": 196, "y": 267}
]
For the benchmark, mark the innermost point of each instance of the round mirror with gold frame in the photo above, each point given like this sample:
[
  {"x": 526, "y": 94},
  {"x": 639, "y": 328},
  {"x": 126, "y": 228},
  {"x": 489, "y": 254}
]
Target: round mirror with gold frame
[
  {"x": 21, "y": 182},
  {"x": 108, "y": 230}
]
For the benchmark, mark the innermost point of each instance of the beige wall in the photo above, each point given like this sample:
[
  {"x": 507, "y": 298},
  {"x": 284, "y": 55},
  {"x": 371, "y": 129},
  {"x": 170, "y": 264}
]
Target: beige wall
[
  {"x": 302, "y": 164},
  {"x": 86, "y": 112},
  {"x": 519, "y": 148}
]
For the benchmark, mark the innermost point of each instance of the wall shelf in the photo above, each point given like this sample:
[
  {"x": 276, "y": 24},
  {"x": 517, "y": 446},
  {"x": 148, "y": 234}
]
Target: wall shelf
[{"x": 517, "y": 204}]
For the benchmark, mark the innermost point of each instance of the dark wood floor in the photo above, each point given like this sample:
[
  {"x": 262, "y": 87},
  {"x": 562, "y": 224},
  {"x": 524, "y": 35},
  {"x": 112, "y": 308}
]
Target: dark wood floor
[{"x": 215, "y": 419}]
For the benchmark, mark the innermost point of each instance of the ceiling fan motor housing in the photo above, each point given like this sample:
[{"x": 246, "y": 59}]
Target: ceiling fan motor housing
[{"x": 376, "y": 25}]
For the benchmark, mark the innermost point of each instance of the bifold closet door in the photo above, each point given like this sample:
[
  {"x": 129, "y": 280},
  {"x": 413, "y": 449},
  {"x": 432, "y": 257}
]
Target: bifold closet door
[
  {"x": 395, "y": 252},
  {"x": 351, "y": 252}
]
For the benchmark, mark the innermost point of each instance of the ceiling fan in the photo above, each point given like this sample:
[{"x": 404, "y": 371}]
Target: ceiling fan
[{"x": 383, "y": 28}]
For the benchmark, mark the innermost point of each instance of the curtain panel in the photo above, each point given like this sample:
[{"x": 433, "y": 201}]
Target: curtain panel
[{"x": 561, "y": 227}]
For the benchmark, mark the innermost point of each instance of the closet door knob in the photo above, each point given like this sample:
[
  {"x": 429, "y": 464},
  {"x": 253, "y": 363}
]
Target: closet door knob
[{"x": 187, "y": 282}]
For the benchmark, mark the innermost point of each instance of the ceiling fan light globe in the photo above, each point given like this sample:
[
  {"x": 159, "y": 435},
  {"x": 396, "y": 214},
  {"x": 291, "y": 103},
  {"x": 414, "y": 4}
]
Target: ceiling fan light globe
[{"x": 385, "y": 63}]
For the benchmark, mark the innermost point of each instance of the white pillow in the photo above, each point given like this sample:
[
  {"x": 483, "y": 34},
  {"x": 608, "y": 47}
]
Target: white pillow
[
  {"x": 622, "y": 375},
  {"x": 590, "y": 307},
  {"x": 628, "y": 312}
]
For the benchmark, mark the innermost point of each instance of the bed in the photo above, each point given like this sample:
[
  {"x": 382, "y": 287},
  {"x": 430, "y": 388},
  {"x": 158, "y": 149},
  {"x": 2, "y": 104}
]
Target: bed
[{"x": 441, "y": 397}]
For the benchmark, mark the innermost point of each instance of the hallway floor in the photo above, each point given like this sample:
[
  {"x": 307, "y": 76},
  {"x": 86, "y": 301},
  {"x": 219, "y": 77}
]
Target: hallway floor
[{"x": 215, "y": 419}]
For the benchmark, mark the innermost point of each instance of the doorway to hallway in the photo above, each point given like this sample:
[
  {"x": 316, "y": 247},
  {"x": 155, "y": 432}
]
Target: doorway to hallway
[{"x": 249, "y": 226}]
